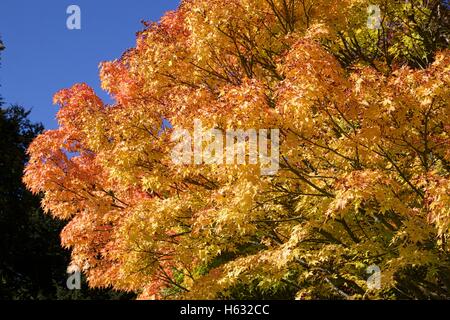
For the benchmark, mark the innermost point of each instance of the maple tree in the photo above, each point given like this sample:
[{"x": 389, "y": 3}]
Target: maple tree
[
  {"x": 32, "y": 263},
  {"x": 364, "y": 158}
]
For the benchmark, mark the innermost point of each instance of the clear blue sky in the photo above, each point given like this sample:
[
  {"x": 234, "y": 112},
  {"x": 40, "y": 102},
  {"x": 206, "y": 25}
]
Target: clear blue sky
[{"x": 42, "y": 56}]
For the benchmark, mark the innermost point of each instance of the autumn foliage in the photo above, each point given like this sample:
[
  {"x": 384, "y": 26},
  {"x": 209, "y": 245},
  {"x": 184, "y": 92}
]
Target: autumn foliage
[{"x": 364, "y": 154}]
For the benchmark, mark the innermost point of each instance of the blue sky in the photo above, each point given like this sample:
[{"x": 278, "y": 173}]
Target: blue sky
[{"x": 43, "y": 56}]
